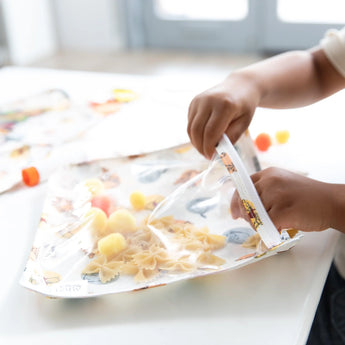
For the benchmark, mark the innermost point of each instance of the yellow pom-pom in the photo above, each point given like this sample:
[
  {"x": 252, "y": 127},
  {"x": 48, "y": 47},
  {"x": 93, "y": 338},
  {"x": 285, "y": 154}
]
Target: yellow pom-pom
[
  {"x": 137, "y": 200},
  {"x": 124, "y": 95},
  {"x": 122, "y": 221},
  {"x": 97, "y": 221},
  {"x": 94, "y": 185},
  {"x": 111, "y": 244},
  {"x": 282, "y": 137}
]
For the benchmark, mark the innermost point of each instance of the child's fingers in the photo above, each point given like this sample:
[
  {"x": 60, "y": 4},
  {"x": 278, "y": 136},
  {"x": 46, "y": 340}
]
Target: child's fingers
[
  {"x": 280, "y": 219},
  {"x": 237, "y": 209},
  {"x": 235, "y": 129},
  {"x": 256, "y": 177},
  {"x": 213, "y": 131},
  {"x": 192, "y": 110},
  {"x": 235, "y": 206},
  {"x": 191, "y": 115},
  {"x": 197, "y": 129}
]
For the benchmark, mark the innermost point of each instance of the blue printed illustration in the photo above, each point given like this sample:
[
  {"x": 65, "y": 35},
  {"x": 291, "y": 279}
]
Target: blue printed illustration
[
  {"x": 202, "y": 205},
  {"x": 152, "y": 172},
  {"x": 95, "y": 279},
  {"x": 238, "y": 235}
]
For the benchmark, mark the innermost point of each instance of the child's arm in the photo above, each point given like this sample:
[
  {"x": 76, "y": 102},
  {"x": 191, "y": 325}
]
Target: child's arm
[
  {"x": 295, "y": 201},
  {"x": 287, "y": 80}
]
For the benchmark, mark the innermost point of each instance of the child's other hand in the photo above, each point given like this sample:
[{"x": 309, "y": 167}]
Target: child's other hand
[
  {"x": 291, "y": 200},
  {"x": 226, "y": 108}
]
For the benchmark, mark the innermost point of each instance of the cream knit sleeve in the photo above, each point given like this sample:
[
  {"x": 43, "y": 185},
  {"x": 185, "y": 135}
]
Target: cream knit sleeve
[{"x": 333, "y": 45}]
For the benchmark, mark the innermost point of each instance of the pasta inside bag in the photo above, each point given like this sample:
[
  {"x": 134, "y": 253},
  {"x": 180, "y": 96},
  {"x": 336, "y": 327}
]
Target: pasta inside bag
[{"x": 142, "y": 221}]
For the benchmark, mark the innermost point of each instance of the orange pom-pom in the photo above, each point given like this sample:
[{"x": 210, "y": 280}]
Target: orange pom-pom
[
  {"x": 263, "y": 141},
  {"x": 30, "y": 176}
]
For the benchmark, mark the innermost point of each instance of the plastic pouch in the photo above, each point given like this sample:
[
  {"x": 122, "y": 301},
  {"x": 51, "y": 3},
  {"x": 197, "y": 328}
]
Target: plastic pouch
[
  {"x": 43, "y": 131},
  {"x": 137, "y": 222}
]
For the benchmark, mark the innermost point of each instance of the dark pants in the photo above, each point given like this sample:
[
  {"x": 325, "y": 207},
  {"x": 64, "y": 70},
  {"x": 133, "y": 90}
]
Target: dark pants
[{"x": 329, "y": 322}]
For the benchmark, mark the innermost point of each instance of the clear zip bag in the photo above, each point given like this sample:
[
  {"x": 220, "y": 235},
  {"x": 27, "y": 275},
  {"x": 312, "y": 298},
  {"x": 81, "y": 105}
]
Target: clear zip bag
[{"x": 143, "y": 221}]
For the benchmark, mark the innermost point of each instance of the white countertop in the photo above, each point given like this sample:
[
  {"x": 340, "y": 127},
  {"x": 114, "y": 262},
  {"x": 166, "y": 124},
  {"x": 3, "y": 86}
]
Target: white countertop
[{"x": 271, "y": 301}]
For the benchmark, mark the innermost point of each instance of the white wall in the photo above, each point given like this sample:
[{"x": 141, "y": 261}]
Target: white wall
[
  {"x": 89, "y": 24},
  {"x": 29, "y": 28}
]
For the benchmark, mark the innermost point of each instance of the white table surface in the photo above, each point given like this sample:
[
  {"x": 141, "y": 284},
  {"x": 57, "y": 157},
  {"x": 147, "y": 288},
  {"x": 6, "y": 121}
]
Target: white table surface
[{"x": 270, "y": 302}]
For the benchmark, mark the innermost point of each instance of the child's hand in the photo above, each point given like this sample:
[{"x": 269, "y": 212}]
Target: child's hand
[
  {"x": 226, "y": 108},
  {"x": 292, "y": 200}
]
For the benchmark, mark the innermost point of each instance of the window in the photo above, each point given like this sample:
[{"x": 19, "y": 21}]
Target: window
[
  {"x": 246, "y": 26},
  {"x": 201, "y": 10},
  {"x": 311, "y": 11}
]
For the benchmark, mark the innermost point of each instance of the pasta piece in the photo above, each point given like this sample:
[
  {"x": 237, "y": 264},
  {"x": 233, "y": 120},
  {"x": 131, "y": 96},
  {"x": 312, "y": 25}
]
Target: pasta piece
[
  {"x": 193, "y": 245},
  {"x": 144, "y": 275},
  {"x": 129, "y": 268},
  {"x": 178, "y": 266},
  {"x": 215, "y": 241},
  {"x": 144, "y": 238},
  {"x": 208, "y": 258},
  {"x": 182, "y": 231},
  {"x": 162, "y": 223},
  {"x": 107, "y": 270},
  {"x": 95, "y": 265},
  {"x": 195, "y": 239},
  {"x": 108, "y": 273},
  {"x": 251, "y": 241},
  {"x": 255, "y": 242},
  {"x": 127, "y": 254},
  {"x": 151, "y": 258}
]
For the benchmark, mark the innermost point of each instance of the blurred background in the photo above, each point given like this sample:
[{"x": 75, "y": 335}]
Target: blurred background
[{"x": 159, "y": 36}]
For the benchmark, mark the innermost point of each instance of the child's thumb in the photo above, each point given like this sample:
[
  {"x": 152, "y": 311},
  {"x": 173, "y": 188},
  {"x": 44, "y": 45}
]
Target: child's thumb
[{"x": 235, "y": 206}]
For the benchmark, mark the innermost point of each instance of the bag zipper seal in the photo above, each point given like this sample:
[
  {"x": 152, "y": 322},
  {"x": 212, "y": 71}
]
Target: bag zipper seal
[{"x": 256, "y": 211}]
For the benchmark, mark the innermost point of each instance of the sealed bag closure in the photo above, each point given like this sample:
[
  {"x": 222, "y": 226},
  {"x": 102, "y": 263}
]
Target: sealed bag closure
[{"x": 248, "y": 194}]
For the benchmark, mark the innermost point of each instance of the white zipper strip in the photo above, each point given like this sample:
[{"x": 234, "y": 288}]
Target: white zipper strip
[{"x": 250, "y": 198}]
